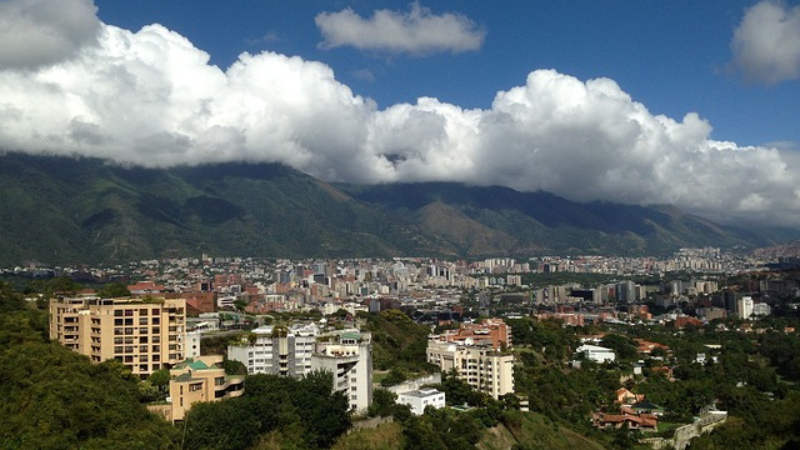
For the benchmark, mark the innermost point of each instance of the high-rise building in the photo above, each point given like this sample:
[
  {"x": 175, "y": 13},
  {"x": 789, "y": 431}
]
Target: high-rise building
[
  {"x": 347, "y": 354},
  {"x": 481, "y": 366},
  {"x": 277, "y": 350},
  {"x": 744, "y": 307},
  {"x": 144, "y": 334},
  {"x": 296, "y": 351}
]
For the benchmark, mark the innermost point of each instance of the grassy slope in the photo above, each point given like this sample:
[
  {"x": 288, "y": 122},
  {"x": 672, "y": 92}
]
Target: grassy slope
[{"x": 536, "y": 432}]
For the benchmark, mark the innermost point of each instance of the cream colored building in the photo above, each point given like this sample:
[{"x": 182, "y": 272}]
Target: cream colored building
[
  {"x": 195, "y": 380},
  {"x": 144, "y": 334},
  {"x": 483, "y": 368}
]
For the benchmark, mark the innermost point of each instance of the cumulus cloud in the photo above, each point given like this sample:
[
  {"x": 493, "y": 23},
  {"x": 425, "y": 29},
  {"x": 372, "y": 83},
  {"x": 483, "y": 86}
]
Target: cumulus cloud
[
  {"x": 34, "y": 33},
  {"x": 151, "y": 98},
  {"x": 766, "y": 45},
  {"x": 417, "y": 32}
]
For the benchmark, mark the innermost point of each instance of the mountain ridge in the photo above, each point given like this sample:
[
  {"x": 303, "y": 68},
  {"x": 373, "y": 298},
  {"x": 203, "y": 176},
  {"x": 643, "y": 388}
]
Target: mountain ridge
[{"x": 60, "y": 210}]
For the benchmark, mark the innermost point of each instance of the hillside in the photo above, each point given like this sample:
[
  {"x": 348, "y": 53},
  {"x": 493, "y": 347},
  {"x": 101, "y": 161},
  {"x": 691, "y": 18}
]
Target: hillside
[
  {"x": 534, "y": 432},
  {"x": 61, "y": 210}
]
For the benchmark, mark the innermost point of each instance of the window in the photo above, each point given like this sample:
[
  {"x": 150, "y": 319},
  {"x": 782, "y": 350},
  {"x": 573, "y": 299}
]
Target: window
[
  {"x": 118, "y": 313},
  {"x": 156, "y": 348},
  {"x": 143, "y": 339},
  {"x": 156, "y": 312},
  {"x": 143, "y": 321}
]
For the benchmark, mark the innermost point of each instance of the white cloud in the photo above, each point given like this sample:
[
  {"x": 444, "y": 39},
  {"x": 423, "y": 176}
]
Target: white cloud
[
  {"x": 35, "y": 33},
  {"x": 417, "y": 32},
  {"x": 151, "y": 98},
  {"x": 766, "y": 45}
]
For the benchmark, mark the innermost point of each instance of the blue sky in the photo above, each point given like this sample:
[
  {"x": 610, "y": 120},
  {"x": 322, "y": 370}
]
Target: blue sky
[
  {"x": 690, "y": 103},
  {"x": 674, "y": 57}
]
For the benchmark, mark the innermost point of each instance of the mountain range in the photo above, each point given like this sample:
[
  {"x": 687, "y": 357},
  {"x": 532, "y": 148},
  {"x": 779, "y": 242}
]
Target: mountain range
[{"x": 65, "y": 210}]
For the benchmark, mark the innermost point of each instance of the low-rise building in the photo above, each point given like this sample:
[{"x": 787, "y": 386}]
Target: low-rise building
[
  {"x": 596, "y": 353},
  {"x": 198, "y": 380},
  {"x": 421, "y": 399}
]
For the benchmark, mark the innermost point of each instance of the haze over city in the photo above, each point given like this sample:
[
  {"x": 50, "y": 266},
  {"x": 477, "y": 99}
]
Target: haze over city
[{"x": 683, "y": 103}]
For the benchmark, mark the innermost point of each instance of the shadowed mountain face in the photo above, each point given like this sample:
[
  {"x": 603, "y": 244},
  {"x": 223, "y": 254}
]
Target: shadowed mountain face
[{"x": 65, "y": 210}]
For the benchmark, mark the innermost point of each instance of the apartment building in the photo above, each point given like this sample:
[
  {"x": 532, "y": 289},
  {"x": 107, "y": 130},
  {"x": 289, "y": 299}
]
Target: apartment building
[
  {"x": 277, "y": 350},
  {"x": 481, "y": 366},
  {"x": 347, "y": 354},
  {"x": 295, "y": 351},
  {"x": 144, "y": 334},
  {"x": 195, "y": 380}
]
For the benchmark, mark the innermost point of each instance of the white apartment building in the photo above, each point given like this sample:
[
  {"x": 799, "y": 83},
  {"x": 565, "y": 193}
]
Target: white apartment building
[
  {"x": 744, "y": 307},
  {"x": 480, "y": 366},
  {"x": 347, "y": 354},
  {"x": 421, "y": 399},
  {"x": 277, "y": 350},
  {"x": 298, "y": 350}
]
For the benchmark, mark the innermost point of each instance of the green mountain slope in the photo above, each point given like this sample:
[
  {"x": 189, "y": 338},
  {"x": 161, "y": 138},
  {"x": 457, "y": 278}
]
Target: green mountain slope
[{"x": 62, "y": 210}]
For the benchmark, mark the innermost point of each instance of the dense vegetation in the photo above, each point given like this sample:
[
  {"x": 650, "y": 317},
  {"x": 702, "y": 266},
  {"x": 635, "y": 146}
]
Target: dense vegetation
[{"x": 56, "y": 399}]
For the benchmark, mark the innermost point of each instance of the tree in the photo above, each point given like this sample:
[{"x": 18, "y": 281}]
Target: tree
[
  {"x": 113, "y": 290},
  {"x": 383, "y": 403},
  {"x": 395, "y": 376}
]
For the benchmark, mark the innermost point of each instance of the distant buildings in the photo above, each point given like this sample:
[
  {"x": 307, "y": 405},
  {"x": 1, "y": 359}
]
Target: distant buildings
[
  {"x": 143, "y": 334},
  {"x": 492, "y": 332}
]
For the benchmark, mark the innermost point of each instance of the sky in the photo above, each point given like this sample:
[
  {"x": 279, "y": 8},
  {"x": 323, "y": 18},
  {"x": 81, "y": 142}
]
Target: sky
[{"x": 689, "y": 103}]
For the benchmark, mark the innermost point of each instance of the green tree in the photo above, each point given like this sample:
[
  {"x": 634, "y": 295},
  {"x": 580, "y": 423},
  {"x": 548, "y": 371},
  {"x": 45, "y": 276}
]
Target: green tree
[{"x": 113, "y": 290}]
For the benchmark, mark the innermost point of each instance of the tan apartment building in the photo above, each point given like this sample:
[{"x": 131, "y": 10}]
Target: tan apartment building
[
  {"x": 481, "y": 366},
  {"x": 195, "y": 380},
  {"x": 144, "y": 334}
]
